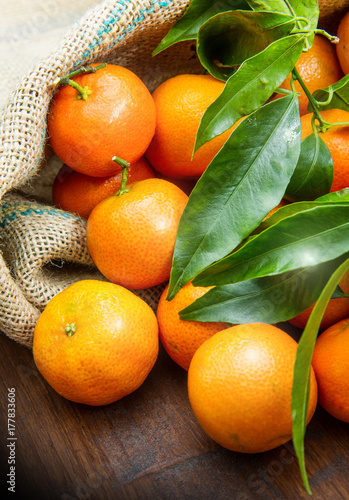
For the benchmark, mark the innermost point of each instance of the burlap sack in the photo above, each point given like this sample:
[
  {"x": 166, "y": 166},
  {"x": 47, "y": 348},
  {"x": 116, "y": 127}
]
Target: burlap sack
[{"x": 43, "y": 249}]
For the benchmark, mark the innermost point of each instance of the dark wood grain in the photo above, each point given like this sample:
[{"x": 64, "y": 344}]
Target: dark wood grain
[{"x": 149, "y": 445}]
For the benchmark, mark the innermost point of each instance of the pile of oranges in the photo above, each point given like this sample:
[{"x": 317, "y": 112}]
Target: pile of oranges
[{"x": 128, "y": 169}]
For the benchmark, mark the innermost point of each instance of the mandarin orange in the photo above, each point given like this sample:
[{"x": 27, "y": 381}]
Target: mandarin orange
[
  {"x": 131, "y": 236},
  {"x": 116, "y": 119},
  {"x": 182, "y": 338},
  {"x": 180, "y": 103},
  {"x": 318, "y": 68},
  {"x": 240, "y": 384},
  {"x": 336, "y": 309},
  {"x": 342, "y": 46},
  {"x": 95, "y": 342},
  {"x": 331, "y": 366}
]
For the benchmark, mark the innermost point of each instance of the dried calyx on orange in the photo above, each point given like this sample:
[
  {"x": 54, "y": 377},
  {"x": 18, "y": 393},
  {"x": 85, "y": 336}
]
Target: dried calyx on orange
[
  {"x": 131, "y": 235},
  {"x": 97, "y": 112}
]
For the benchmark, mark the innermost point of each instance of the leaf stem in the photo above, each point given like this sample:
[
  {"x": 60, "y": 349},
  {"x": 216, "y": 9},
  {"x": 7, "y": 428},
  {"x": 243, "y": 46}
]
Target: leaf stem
[
  {"x": 83, "y": 92},
  {"x": 311, "y": 99},
  {"x": 124, "y": 169},
  {"x": 299, "y": 20},
  {"x": 328, "y": 100},
  {"x": 81, "y": 71},
  {"x": 331, "y": 38}
]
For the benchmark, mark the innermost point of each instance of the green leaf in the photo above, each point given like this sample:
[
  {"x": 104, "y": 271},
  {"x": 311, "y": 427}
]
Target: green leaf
[
  {"x": 298, "y": 8},
  {"x": 249, "y": 88},
  {"x": 342, "y": 195},
  {"x": 227, "y": 39},
  {"x": 300, "y": 389},
  {"x": 306, "y": 238},
  {"x": 300, "y": 206},
  {"x": 268, "y": 300},
  {"x": 313, "y": 175},
  {"x": 244, "y": 181},
  {"x": 334, "y": 96},
  {"x": 198, "y": 12}
]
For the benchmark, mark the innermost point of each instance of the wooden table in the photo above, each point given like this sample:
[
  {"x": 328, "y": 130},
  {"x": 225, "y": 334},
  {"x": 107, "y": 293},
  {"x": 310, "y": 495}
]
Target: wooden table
[{"x": 148, "y": 446}]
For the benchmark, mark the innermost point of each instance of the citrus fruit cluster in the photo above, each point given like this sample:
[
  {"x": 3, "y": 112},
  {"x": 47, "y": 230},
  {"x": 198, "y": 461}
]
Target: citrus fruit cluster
[{"x": 126, "y": 154}]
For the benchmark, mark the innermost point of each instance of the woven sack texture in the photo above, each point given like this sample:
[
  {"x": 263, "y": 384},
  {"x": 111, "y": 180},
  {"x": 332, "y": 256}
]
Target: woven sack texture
[{"x": 43, "y": 249}]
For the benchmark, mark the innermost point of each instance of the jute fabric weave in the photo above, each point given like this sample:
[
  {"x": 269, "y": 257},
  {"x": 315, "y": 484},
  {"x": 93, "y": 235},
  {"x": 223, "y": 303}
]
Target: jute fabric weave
[{"x": 43, "y": 249}]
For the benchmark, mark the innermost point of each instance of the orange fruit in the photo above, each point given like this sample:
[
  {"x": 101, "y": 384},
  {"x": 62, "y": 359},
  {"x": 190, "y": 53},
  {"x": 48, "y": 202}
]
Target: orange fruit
[
  {"x": 331, "y": 366},
  {"x": 318, "y": 68},
  {"x": 337, "y": 141},
  {"x": 343, "y": 44},
  {"x": 240, "y": 384},
  {"x": 80, "y": 193},
  {"x": 336, "y": 309},
  {"x": 95, "y": 342},
  {"x": 180, "y": 103},
  {"x": 117, "y": 119},
  {"x": 131, "y": 237},
  {"x": 182, "y": 338}
]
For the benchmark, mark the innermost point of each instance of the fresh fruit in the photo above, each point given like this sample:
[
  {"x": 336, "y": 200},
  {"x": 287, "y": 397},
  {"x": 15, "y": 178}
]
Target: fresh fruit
[
  {"x": 318, "y": 68},
  {"x": 337, "y": 141},
  {"x": 331, "y": 366},
  {"x": 182, "y": 338},
  {"x": 240, "y": 383},
  {"x": 131, "y": 236},
  {"x": 95, "y": 342},
  {"x": 180, "y": 103},
  {"x": 80, "y": 193},
  {"x": 116, "y": 119},
  {"x": 336, "y": 309},
  {"x": 342, "y": 46}
]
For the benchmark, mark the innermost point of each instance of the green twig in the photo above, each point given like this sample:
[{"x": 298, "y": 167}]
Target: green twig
[
  {"x": 311, "y": 99},
  {"x": 124, "y": 169},
  {"x": 83, "y": 92},
  {"x": 328, "y": 100},
  {"x": 331, "y": 38},
  {"x": 323, "y": 124}
]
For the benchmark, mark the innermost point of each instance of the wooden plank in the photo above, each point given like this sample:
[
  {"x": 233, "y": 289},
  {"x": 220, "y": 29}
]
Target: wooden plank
[{"x": 149, "y": 445}]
